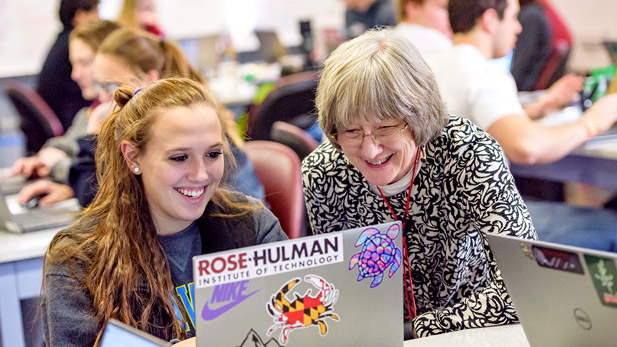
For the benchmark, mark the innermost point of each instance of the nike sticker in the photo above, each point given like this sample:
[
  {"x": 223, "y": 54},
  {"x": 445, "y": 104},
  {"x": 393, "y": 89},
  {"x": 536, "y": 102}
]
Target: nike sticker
[{"x": 209, "y": 314}]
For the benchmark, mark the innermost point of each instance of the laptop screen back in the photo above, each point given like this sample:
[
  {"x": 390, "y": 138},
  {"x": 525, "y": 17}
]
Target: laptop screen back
[
  {"x": 564, "y": 296},
  {"x": 337, "y": 289},
  {"x": 118, "y": 334}
]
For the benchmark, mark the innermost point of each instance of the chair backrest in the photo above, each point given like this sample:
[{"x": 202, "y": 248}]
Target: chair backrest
[
  {"x": 38, "y": 121},
  {"x": 278, "y": 169},
  {"x": 561, "y": 43},
  {"x": 289, "y": 100},
  {"x": 293, "y": 137}
]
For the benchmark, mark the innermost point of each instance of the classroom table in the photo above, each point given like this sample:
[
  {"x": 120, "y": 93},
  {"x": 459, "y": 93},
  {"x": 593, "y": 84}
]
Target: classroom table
[
  {"x": 595, "y": 163},
  {"x": 503, "y": 336},
  {"x": 21, "y": 275}
]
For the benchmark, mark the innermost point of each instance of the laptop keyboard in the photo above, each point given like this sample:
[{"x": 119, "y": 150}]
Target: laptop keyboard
[{"x": 37, "y": 219}]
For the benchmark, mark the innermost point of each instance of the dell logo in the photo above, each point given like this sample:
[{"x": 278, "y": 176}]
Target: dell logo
[{"x": 582, "y": 319}]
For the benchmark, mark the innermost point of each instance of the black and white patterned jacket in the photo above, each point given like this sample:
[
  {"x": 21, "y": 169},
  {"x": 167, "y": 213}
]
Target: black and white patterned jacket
[{"x": 464, "y": 188}]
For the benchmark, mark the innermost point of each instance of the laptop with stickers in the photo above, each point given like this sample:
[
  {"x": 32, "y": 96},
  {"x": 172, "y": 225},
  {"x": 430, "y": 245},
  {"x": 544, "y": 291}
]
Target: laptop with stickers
[
  {"x": 336, "y": 289},
  {"x": 564, "y": 296}
]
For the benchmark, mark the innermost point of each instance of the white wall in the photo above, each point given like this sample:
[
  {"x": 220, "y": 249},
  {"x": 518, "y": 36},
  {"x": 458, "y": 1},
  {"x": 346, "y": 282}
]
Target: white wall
[
  {"x": 591, "y": 21},
  {"x": 29, "y": 27},
  {"x": 27, "y": 30}
]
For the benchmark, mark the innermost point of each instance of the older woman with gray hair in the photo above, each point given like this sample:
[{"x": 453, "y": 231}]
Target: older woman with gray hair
[{"x": 394, "y": 153}]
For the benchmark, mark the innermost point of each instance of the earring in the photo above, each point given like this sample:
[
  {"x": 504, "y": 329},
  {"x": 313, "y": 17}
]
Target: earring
[{"x": 136, "y": 170}]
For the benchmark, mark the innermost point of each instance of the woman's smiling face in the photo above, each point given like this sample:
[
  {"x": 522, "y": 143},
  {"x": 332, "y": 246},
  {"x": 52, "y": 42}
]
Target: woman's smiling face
[
  {"x": 384, "y": 160},
  {"x": 181, "y": 166}
]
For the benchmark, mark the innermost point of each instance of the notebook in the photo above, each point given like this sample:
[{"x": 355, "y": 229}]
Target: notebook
[
  {"x": 118, "y": 334},
  {"x": 335, "y": 289},
  {"x": 564, "y": 296},
  {"x": 18, "y": 219}
]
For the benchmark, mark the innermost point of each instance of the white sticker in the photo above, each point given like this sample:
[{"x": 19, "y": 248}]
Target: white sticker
[{"x": 269, "y": 259}]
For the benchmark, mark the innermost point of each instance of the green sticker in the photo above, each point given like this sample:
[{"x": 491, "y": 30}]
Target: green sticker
[{"x": 604, "y": 276}]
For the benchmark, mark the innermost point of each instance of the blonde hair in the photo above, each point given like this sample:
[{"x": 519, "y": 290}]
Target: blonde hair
[
  {"x": 117, "y": 227},
  {"x": 142, "y": 52},
  {"x": 94, "y": 32},
  {"x": 379, "y": 76}
]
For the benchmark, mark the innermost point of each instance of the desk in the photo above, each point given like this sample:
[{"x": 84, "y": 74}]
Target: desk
[
  {"x": 594, "y": 163},
  {"x": 503, "y": 336},
  {"x": 21, "y": 275}
]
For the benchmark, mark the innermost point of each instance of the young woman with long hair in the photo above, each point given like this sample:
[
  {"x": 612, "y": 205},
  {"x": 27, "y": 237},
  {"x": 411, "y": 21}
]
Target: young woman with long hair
[
  {"x": 160, "y": 160},
  {"x": 57, "y": 154},
  {"x": 139, "y": 58}
]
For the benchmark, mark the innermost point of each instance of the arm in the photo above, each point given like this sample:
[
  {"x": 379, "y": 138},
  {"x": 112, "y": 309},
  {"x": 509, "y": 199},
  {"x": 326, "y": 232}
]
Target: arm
[
  {"x": 527, "y": 142},
  {"x": 68, "y": 317},
  {"x": 491, "y": 202},
  {"x": 68, "y": 142}
]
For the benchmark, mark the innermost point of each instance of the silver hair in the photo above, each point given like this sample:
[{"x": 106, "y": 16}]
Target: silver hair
[{"x": 379, "y": 76}]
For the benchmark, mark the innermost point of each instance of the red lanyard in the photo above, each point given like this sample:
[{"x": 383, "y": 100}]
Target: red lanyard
[{"x": 407, "y": 266}]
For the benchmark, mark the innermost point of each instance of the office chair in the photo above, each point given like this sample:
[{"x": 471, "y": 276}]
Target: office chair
[
  {"x": 278, "y": 169},
  {"x": 561, "y": 44},
  {"x": 38, "y": 121},
  {"x": 293, "y": 137},
  {"x": 292, "y": 100}
]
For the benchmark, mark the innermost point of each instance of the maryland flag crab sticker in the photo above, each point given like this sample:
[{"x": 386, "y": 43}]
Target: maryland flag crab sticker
[{"x": 302, "y": 311}]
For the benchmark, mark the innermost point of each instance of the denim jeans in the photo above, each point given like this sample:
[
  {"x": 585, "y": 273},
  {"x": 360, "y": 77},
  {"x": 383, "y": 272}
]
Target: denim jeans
[{"x": 575, "y": 226}]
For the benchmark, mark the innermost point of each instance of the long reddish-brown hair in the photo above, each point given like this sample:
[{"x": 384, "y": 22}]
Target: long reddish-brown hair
[{"x": 115, "y": 241}]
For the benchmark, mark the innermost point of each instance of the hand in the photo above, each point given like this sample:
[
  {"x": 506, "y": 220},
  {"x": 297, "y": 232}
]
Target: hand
[
  {"x": 557, "y": 96},
  {"x": 27, "y": 167},
  {"x": 187, "y": 343},
  {"x": 602, "y": 114},
  {"x": 39, "y": 165},
  {"x": 98, "y": 117},
  {"x": 53, "y": 192}
]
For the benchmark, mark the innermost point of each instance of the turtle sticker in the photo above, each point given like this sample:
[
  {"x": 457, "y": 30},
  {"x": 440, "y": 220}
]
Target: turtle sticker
[
  {"x": 604, "y": 276},
  {"x": 378, "y": 253}
]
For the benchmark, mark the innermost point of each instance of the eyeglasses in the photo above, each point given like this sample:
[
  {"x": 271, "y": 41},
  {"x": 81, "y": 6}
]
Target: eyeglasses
[
  {"x": 355, "y": 137},
  {"x": 105, "y": 87}
]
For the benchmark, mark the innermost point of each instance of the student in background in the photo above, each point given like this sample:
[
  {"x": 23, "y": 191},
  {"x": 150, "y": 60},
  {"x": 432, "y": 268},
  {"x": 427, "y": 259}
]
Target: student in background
[
  {"x": 139, "y": 14},
  {"x": 533, "y": 45},
  {"x": 394, "y": 153},
  {"x": 56, "y": 156},
  {"x": 162, "y": 156},
  {"x": 362, "y": 15},
  {"x": 137, "y": 57},
  {"x": 425, "y": 23},
  {"x": 55, "y": 85},
  {"x": 487, "y": 96}
]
